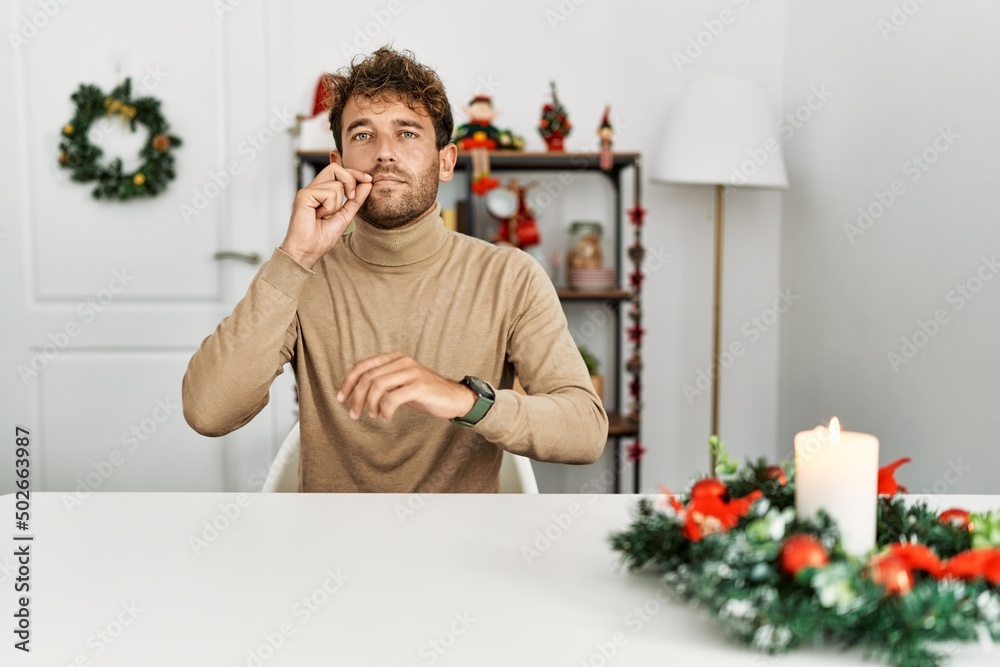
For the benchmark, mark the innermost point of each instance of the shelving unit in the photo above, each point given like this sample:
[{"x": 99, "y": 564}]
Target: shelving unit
[{"x": 624, "y": 418}]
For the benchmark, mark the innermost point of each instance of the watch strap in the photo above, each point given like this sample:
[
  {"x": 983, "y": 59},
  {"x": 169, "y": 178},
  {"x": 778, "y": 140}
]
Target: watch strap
[{"x": 479, "y": 409}]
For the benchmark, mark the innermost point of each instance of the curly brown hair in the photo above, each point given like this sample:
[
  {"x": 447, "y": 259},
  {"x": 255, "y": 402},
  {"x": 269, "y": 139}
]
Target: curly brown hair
[{"x": 389, "y": 76}]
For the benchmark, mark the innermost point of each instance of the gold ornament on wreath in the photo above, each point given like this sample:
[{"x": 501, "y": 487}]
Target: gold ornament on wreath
[{"x": 78, "y": 154}]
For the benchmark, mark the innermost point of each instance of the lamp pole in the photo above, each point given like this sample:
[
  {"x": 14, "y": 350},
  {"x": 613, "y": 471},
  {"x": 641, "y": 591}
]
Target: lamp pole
[{"x": 716, "y": 319}]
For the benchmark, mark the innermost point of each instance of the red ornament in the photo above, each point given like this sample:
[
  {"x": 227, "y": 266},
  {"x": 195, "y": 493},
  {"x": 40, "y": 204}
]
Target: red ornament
[
  {"x": 892, "y": 574},
  {"x": 887, "y": 483},
  {"x": 918, "y": 557},
  {"x": 711, "y": 514},
  {"x": 635, "y": 452},
  {"x": 637, "y": 215},
  {"x": 957, "y": 517},
  {"x": 708, "y": 488},
  {"x": 776, "y": 473},
  {"x": 991, "y": 571},
  {"x": 707, "y": 513},
  {"x": 161, "y": 142},
  {"x": 974, "y": 563},
  {"x": 802, "y": 551}
]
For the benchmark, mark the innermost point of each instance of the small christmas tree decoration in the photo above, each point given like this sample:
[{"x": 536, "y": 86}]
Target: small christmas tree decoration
[
  {"x": 554, "y": 125},
  {"x": 606, "y": 133}
]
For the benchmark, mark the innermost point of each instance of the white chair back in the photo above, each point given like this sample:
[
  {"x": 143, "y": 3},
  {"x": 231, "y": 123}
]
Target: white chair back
[{"x": 516, "y": 473}]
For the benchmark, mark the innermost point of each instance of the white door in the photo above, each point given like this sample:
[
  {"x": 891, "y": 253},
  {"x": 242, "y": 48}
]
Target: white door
[{"x": 103, "y": 303}]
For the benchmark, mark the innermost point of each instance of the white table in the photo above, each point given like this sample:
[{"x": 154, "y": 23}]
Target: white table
[{"x": 308, "y": 579}]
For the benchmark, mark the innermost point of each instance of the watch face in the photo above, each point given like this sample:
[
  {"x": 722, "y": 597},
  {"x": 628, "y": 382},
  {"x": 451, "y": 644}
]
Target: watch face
[{"x": 480, "y": 387}]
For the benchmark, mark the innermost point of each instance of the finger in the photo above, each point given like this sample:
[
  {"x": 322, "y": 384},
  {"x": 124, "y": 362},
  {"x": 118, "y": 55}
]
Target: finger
[
  {"x": 399, "y": 397},
  {"x": 334, "y": 172},
  {"x": 362, "y": 367},
  {"x": 386, "y": 383},
  {"x": 353, "y": 204},
  {"x": 360, "y": 176},
  {"x": 362, "y": 396},
  {"x": 328, "y": 201}
]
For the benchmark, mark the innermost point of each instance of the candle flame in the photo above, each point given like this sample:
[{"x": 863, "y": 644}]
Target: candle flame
[{"x": 834, "y": 431}]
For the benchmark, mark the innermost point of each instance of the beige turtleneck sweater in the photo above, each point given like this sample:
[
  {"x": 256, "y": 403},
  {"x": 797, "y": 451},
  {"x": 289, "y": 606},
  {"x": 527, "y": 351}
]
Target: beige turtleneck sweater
[{"x": 456, "y": 304}]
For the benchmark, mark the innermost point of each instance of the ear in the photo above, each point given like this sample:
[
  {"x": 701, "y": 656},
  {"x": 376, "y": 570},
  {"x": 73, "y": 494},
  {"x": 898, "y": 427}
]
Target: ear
[
  {"x": 447, "y": 157},
  {"x": 335, "y": 157}
]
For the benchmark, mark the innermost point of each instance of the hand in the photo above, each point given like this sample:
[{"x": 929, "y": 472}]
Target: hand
[
  {"x": 386, "y": 381},
  {"x": 320, "y": 213}
]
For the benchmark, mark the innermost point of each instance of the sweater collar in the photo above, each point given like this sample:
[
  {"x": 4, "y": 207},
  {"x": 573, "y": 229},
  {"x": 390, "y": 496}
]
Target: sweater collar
[{"x": 399, "y": 247}]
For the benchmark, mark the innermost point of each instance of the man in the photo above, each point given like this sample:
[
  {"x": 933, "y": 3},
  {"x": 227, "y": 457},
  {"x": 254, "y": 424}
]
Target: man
[{"x": 404, "y": 337}]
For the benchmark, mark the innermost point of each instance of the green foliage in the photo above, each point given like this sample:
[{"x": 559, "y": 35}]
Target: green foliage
[
  {"x": 737, "y": 577},
  {"x": 592, "y": 362},
  {"x": 986, "y": 529},
  {"x": 724, "y": 464}
]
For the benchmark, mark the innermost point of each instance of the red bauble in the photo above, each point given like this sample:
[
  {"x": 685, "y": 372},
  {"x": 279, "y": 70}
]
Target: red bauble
[
  {"x": 708, "y": 488},
  {"x": 892, "y": 573},
  {"x": 775, "y": 472},
  {"x": 957, "y": 517},
  {"x": 802, "y": 551},
  {"x": 991, "y": 571}
]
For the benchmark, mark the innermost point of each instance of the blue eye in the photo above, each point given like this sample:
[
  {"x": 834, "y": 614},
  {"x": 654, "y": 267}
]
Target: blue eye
[
  {"x": 361, "y": 136},
  {"x": 409, "y": 135}
]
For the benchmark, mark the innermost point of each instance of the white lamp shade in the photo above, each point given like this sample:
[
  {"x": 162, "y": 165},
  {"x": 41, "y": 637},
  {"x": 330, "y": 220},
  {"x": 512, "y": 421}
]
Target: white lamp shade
[{"x": 721, "y": 132}]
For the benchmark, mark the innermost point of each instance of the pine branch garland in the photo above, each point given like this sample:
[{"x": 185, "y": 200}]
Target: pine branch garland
[{"x": 737, "y": 576}]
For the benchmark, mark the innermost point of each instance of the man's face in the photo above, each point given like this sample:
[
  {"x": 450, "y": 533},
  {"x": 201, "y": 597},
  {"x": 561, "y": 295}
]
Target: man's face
[{"x": 396, "y": 145}]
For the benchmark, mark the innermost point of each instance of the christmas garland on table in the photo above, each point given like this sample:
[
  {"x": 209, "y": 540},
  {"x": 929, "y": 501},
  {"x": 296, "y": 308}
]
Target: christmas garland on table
[
  {"x": 82, "y": 157},
  {"x": 775, "y": 582}
]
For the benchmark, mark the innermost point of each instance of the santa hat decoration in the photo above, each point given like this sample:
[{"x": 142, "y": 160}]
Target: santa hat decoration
[
  {"x": 314, "y": 129},
  {"x": 320, "y": 97},
  {"x": 481, "y": 98},
  {"x": 605, "y": 121}
]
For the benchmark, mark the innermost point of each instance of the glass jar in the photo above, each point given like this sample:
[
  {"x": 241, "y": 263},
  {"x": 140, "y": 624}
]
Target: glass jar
[{"x": 584, "y": 249}]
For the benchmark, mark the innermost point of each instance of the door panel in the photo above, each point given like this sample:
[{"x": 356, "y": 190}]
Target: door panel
[{"x": 103, "y": 303}]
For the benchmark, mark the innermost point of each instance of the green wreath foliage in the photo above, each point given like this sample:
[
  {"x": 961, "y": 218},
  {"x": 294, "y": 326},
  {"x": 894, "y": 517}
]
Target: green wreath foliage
[
  {"x": 737, "y": 576},
  {"x": 83, "y": 158}
]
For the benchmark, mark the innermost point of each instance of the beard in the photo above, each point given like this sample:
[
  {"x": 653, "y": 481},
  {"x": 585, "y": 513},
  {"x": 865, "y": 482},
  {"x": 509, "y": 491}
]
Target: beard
[{"x": 394, "y": 207}]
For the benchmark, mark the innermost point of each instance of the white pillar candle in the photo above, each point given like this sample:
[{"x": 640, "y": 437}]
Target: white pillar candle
[{"x": 837, "y": 471}]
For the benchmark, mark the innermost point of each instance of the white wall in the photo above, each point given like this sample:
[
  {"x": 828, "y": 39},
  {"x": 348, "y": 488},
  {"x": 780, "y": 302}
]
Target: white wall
[
  {"x": 863, "y": 291},
  {"x": 620, "y": 53}
]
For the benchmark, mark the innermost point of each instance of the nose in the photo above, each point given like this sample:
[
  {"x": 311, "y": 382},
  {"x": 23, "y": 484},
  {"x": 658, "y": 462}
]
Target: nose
[{"x": 385, "y": 154}]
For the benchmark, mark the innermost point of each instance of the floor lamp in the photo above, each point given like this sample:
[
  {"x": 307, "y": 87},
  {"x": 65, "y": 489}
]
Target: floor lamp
[{"x": 721, "y": 132}]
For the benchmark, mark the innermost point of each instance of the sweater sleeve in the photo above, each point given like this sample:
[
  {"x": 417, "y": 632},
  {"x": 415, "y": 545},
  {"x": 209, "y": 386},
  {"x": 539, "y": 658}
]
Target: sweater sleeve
[
  {"x": 228, "y": 379},
  {"x": 561, "y": 419}
]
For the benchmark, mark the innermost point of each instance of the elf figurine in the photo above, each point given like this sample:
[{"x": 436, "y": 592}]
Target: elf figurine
[
  {"x": 479, "y": 136},
  {"x": 606, "y": 134}
]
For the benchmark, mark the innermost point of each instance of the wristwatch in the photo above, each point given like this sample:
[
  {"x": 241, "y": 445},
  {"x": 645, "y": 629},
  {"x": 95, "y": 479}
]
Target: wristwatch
[{"x": 484, "y": 401}]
